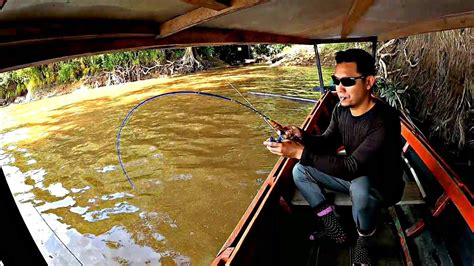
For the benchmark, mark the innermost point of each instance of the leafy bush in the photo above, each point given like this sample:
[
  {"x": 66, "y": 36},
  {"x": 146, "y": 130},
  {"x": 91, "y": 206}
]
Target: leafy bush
[
  {"x": 207, "y": 51},
  {"x": 390, "y": 92},
  {"x": 268, "y": 49},
  {"x": 346, "y": 45},
  {"x": 16, "y": 83},
  {"x": 66, "y": 73}
]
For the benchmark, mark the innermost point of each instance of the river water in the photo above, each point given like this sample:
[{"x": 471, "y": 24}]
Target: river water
[{"x": 197, "y": 163}]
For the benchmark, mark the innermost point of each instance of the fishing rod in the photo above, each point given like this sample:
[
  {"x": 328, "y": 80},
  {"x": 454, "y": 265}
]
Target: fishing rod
[
  {"x": 274, "y": 125},
  {"x": 268, "y": 121}
]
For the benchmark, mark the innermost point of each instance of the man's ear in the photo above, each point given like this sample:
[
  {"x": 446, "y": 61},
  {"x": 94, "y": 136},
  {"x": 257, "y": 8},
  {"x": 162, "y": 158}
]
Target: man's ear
[{"x": 370, "y": 81}]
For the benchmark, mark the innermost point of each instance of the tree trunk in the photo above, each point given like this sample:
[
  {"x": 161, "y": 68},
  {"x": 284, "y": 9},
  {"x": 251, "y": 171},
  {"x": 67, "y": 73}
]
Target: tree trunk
[{"x": 191, "y": 61}]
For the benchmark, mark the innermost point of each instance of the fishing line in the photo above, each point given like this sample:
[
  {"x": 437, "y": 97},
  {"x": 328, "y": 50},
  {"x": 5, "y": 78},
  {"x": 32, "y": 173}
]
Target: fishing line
[
  {"x": 266, "y": 120},
  {"x": 198, "y": 93},
  {"x": 54, "y": 232}
]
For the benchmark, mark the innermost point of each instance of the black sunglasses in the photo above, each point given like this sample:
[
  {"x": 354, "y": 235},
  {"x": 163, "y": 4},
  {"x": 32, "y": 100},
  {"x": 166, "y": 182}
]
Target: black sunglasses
[{"x": 347, "y": 81}]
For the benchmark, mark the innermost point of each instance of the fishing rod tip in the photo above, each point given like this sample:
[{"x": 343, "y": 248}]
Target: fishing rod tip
[{"x": 132, "y": 184}]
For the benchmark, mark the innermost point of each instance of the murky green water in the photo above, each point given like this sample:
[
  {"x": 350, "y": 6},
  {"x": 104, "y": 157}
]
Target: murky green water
[{"x": 196, "y": 161}]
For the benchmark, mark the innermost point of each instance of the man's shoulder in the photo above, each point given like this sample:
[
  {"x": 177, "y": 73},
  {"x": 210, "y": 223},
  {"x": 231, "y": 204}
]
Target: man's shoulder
[
  {"x": 387, "y": 111},
  {"x": 388, "y": 117}
]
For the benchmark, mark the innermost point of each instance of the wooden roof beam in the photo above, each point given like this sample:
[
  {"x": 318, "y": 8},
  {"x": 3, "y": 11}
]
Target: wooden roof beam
[
  {"x": 202, "y": 15},
  {"x": 358, "y": 9},
  {"x": 37, "y": 53},
  {"x": 2, "y": 3},
  {"x": 214, "y": 5},
  {"x": 459, "y": 21},
  {"x": 21, "y": 33}
]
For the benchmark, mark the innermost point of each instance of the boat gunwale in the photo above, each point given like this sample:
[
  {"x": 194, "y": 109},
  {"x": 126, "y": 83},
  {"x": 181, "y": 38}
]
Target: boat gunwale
[
  {"x": 456, "y": 191},
  {"x": 264, "y": 193}
]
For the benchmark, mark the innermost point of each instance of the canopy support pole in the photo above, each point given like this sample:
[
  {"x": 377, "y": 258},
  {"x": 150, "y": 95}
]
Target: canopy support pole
[
  {"x": 320, "y": 71},
  {"x": 374, "y": 47}
]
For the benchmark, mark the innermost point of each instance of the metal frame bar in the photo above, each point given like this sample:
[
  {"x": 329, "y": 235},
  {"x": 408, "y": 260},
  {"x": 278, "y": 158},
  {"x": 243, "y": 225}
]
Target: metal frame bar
[
  {"x": 318, "y": 65},
  {"x": 371, "y": 39},
  {"x": 374, "y": 47}
]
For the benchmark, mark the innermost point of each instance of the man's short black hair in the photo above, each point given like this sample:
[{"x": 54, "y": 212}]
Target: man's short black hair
[{"x": 364, "y": 61}]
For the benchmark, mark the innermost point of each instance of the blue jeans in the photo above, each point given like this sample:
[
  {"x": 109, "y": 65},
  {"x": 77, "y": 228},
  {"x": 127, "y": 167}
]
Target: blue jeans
[{"x": 366, "y": 201}]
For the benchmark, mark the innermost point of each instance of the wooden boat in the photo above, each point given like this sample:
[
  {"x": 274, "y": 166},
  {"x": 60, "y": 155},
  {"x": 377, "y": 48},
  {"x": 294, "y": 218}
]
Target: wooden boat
[
  {"x": 38, "y": 31},
  {"x": 275, "y": 228}
]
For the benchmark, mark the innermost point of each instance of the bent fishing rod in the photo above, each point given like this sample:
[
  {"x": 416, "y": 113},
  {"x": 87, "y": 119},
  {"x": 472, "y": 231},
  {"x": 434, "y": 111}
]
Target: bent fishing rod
[
  {"x": 267, "y": 120},
  {"x": 274, "y": 125}
]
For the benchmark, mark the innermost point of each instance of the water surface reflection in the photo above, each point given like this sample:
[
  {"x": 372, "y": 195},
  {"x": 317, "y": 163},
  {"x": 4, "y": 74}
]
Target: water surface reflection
[{"x": 197, "y": 162}]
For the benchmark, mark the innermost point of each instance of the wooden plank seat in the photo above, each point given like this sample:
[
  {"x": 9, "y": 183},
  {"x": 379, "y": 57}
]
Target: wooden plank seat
[{"x": 411, "y": 196}]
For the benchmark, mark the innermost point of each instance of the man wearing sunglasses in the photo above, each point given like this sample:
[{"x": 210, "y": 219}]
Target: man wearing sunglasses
[{"x": 370, "y": 171}]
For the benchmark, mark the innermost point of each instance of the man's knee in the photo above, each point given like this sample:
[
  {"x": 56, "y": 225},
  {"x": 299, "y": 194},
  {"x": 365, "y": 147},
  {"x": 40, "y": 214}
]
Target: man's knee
[
  {"x": 299, "y": 173},
  {"x": 360, "y": 189}
]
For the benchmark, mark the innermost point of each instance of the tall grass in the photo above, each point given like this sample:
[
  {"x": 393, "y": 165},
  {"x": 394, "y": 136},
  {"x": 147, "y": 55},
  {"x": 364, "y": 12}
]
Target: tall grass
[{"x": 430, "y": 76}]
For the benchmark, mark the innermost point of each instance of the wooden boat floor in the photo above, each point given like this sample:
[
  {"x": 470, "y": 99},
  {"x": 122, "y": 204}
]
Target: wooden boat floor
[
  {"x": 291, "y": 238},
  {"x": 411, "y": 196},
  {"x": 386, "y": 249}
]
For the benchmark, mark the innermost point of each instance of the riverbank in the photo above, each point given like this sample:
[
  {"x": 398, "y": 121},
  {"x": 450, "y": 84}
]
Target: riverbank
[{"x": 38, "y": 87}]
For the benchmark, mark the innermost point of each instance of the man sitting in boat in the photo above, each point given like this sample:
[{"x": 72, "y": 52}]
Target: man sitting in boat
[{"x": 371, "y": 170}]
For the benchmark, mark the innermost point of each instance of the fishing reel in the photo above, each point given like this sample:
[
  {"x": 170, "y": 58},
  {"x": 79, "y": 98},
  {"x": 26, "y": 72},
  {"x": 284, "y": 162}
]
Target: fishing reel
[
  {"x": 282, "y": 136},
  {"x": 279, "y": 139}
]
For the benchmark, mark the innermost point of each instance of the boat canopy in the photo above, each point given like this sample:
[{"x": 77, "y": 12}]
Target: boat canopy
[{"x": 40, "y": 31}]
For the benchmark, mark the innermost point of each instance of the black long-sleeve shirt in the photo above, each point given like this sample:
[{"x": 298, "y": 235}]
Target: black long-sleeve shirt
[{"x": 373, "y": 145}]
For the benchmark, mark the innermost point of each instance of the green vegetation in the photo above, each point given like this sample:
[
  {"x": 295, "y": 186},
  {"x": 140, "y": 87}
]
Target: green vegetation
[
  {"x": 268, "y": 50},
  {"x": 328, "y": 51},
  {"x": 114, "y": 68},
  {"x": 17, "y": 83}
]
